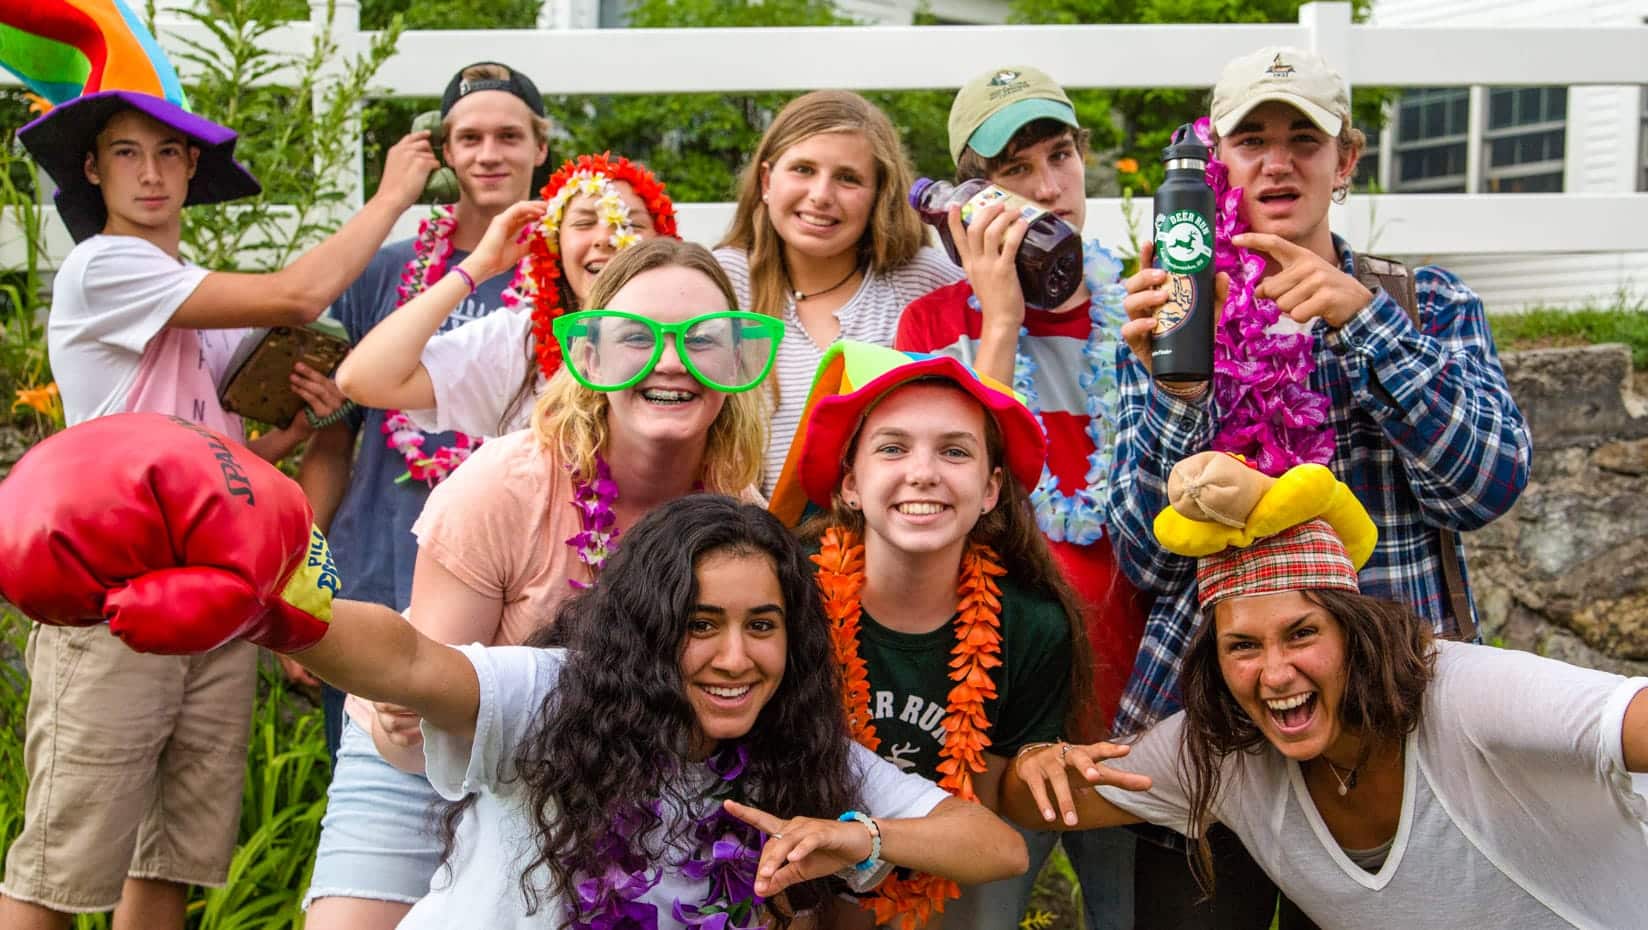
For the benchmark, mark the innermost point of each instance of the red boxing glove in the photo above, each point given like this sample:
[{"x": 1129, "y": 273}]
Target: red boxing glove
[{"x": 180, "y": 538}]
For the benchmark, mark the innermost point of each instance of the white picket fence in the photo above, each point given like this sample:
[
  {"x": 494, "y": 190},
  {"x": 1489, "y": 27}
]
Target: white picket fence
[{"x": 635, "y": 61}]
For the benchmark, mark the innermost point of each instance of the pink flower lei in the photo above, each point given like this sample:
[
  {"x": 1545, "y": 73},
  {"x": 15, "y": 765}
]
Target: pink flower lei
[
  {"x": 1262, "y": 360},
  {"x": 431, "y": 252}
]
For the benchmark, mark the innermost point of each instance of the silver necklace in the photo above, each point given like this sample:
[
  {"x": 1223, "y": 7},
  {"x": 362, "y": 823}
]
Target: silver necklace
[{"x": 1346, "y": 783}]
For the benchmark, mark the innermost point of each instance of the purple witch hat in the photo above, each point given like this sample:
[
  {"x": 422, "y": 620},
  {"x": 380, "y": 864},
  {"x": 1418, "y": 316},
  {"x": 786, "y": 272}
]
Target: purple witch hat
[{"x": 60, "y": 140}]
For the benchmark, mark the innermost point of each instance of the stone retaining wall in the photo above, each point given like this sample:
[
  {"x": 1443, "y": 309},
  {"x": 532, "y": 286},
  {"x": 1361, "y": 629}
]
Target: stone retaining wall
[{"x": 1565, "y": 572}]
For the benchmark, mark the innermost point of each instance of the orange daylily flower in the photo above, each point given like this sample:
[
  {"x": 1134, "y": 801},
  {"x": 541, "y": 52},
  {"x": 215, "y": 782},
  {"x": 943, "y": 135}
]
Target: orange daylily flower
[
  {"x": 42, "y": 400},
  {"x": 38, "y": 105},
  {"x": 1127, "y": 165}
]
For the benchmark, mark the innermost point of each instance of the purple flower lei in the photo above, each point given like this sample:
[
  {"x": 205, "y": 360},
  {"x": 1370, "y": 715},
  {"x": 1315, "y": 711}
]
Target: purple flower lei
[
  {"x": 598, "y": 533},
  {"x": 725, "y": 855},
  {"x": 1262, "y": 360}
]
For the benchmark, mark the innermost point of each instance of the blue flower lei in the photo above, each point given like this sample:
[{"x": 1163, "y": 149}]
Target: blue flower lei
[{"x": 1079, "y": 518}]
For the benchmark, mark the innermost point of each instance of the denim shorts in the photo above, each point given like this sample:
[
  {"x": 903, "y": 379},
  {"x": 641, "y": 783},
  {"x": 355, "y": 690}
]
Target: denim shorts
[{"x": 379, "y": 839}]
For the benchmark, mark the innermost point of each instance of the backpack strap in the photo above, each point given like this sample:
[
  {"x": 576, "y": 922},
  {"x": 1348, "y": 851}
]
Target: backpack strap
[{"x": 1394, "y": 278}]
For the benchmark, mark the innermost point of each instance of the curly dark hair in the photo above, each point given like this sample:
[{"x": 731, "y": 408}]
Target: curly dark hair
[
  {"x": 1010, "y": 529},
  {"x": 612, "y": 737},
  {"x": 1389, "y": 662}
]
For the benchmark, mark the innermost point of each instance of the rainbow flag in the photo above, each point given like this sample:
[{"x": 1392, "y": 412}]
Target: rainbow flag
[{"x": 61, "y": 49}]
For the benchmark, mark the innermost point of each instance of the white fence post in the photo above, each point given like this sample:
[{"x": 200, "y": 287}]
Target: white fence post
[
  {"x": 342, "y": 17},
  {"x": 1328, "y": 26}
]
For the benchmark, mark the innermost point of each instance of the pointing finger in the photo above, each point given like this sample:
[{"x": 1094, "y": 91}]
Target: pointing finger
[{"x": 754, "y": 816}]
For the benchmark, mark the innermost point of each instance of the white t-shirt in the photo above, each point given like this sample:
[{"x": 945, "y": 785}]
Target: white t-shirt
[
  {"x": 494, "y": 841},
  {"x": 870, "y": 316},
  {"x": 1517, "y": 810},
  {"x": 110, "y": 345},
  {"x": 477, "y": 370}
]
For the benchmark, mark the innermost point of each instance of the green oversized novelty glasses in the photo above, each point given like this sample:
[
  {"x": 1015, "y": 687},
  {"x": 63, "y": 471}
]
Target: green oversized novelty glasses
[{"x": 610, "y": 350}]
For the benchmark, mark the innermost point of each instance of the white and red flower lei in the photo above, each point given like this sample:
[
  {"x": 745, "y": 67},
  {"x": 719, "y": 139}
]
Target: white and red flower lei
[{"x": 431, "y": 252}]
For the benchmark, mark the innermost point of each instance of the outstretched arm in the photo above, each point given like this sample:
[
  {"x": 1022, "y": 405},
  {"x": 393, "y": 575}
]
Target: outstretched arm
[
  {"x": 958, "y": 840},
  {"x": 1636, "y": 733},
  {"x": 1036, "y": 790},
  {"x": 368, "y": 650},
  {"x": 301, "y": 292},
  {"x": 384, "y": 370}
]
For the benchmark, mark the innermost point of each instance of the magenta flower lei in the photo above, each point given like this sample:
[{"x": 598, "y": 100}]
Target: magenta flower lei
[
  {"x": 598, "y": 525},
  {"x": 430, "y": 254},
  {"x": 1262, "y": 360},
  {"x": 725, "y": 854}
]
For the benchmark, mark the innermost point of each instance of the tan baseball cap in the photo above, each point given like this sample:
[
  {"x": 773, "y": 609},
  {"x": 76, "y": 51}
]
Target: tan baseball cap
[
  {"x": 1301, "y": 79},
  {"x": 991, "y": 107}
]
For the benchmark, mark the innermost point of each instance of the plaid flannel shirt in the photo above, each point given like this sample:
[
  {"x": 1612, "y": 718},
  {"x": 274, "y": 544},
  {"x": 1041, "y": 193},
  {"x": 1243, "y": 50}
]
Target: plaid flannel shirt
[{"x": 1425, "y": 433}]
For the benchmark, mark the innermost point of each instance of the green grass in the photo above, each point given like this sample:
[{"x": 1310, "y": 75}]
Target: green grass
[
  {"x": 1626, "y": 320},
  {"x": 285, "y": 795}
]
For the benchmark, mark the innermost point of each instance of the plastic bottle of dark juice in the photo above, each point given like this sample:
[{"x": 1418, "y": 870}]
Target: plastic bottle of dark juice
[
  {"x": 1049, "y": 259},
  {"x": 1182, "y": 346}
]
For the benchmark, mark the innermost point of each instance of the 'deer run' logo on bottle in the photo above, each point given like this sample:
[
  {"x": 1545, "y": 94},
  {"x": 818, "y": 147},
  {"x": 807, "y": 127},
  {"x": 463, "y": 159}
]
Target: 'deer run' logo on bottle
[{"x": 1184, "y": 241}]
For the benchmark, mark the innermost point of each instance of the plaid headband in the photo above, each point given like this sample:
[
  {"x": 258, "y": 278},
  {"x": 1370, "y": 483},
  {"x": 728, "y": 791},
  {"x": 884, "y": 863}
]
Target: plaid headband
[{"x": 1309, "y": 556}]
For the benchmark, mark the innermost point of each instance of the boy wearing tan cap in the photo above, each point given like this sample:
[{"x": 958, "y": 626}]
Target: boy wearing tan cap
[
  {"x": 1423, "y": 426},
  {"x": 1015, "y": 127}
]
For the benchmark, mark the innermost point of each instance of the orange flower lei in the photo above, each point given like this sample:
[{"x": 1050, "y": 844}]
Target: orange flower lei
[
  {"x": 545, "y": 251},
  {"x": 914, "y": 900}
]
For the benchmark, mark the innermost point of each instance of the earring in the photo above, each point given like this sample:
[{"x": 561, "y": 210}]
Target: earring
[
  {"x": 763, "y": 196},
  {"x": 852, "y": 505}
]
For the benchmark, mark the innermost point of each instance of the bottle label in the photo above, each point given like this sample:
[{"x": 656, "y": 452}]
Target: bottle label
[
  {"x": 1184, "y": 241},
  {"x": 1181, "y": 302},
  {"x": 1011, "y": 201}
]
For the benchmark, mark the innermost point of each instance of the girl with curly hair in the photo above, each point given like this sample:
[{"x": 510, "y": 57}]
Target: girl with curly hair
[
  {"x": 671, "y": 767},
  {"x": 656, "y": 399},
  {"x": 480, "y": 378},
  {"x": 823, "y": 239},
  {"x": 961, "y": 641},
  {"x": 1379, "y": 776}
]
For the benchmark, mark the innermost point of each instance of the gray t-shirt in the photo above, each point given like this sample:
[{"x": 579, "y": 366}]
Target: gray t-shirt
[
  {"x": 1517, "y": 810},
  {"x": 371, "y": 534}
]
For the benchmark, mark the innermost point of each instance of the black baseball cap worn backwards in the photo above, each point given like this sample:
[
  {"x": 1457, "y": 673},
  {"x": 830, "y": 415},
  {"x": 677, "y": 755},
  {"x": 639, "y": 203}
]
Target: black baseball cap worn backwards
[{"x": 516, "y": 84}]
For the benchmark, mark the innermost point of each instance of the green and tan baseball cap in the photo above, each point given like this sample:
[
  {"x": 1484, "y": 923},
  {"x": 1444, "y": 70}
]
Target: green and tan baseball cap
[
  {"x": 1301, "y": 79},
  {"x": 991, "y": 107}
]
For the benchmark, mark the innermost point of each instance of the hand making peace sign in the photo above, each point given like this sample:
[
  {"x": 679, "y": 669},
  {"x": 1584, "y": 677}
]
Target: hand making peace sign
[{"x": 801, "y": 848}]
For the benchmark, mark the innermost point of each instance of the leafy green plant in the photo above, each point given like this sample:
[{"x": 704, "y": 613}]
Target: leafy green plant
[
  {"x": 26, "y": 389},
  {"x": 303, "y": 151}
]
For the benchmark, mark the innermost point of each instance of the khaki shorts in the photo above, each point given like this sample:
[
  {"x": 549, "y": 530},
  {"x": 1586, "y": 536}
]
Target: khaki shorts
[{"x": 135, "y": 766}]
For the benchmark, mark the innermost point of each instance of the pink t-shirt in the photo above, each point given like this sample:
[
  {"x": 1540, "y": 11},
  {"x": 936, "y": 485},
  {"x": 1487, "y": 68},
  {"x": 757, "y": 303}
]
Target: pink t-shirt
[{"x": 111, "y": 346}]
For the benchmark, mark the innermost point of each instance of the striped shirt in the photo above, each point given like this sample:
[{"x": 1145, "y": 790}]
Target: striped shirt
[
  {"x": 870, "y": 316},
  {"x": 1426, "y": 434}
]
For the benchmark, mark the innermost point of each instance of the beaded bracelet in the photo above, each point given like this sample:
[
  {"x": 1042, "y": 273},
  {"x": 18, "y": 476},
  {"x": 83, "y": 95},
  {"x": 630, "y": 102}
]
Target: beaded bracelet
[
  {"x": 875, "y": 838},
  {"x": 343, "y": 410}
]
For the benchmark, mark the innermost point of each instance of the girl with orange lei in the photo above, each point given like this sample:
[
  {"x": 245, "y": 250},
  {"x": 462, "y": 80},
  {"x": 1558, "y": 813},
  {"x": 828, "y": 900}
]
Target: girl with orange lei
[
  {"x": 480, "y": 378},
  {"x": 958, "y": 639}
]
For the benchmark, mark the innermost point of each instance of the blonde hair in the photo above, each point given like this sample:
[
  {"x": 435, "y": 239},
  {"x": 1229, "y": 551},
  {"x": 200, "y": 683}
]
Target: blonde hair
[
  {"x": 894, "y": 233},
  {"x": 571, "y": 420},
  {"x": 488, "y": 72}
]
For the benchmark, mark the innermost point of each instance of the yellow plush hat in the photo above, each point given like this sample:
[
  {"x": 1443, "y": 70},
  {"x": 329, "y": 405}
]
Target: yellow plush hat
[{"x": 1254, "y": 534}]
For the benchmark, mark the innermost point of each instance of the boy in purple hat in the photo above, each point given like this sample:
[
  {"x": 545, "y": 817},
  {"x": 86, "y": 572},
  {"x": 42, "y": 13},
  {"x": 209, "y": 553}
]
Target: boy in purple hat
[{"x": 136, "y": 761}]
